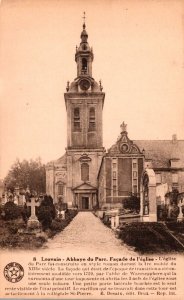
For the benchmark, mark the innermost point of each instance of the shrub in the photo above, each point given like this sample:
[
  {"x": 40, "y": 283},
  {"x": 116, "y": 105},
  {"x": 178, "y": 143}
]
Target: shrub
[
  {"x": 13, "y": 228},
  {"x": 11, "y": 211},
  {"x": 46, "y": 212},
  {"x": 132, "y": 203},
  {"x": 56, "y": 226}
]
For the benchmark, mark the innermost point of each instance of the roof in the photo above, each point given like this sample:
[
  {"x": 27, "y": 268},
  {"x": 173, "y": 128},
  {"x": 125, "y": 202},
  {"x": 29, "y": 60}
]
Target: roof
[
  {"x": 162, "y": 151},
  {"x": 59, "y": 161}
]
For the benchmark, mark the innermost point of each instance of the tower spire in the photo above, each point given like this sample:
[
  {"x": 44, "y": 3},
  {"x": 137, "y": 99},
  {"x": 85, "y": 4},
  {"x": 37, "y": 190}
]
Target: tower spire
[{"x": 84, "y": 18}]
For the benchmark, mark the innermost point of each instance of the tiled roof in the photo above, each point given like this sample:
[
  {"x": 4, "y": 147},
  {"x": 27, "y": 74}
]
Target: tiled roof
[{"x": 162, "y": 151}]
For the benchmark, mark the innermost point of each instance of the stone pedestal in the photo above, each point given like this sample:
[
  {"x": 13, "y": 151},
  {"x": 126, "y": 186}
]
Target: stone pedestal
[
  {"x": 113, "y": 222},
  {"x": 180, "y": 216},
  {"x": 63, "y": 214},
  {"x": 116, "y": 221},
  {"x": 33, "y": 223}
]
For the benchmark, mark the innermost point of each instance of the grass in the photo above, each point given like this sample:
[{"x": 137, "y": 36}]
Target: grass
[
  {"x": 149, "y": 237},
  {"x": 14, "y": 234}
]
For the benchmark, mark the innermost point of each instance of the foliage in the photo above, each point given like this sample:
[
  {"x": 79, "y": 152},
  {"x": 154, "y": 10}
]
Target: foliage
[
  {"x": 132, "y": 203},
  {"x": 174, "y": 211},
  {"x": 162, "y": 212},
  {"x": 149, "y": 237},
  {"x": 27, "y": 173},
  {"x": 176, "y": 226},
  {"x": 173, "y": 196},
  {"x": 11, "y": 211},
  {"x": 46, "y": 212}
]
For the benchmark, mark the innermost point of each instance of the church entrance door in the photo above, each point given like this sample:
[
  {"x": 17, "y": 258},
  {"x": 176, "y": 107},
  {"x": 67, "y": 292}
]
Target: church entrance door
[{"x": 85, "y": 202}]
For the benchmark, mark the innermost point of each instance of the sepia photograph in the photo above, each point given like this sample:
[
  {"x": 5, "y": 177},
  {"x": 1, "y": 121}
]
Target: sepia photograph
[{"x": 91, "y": 149}]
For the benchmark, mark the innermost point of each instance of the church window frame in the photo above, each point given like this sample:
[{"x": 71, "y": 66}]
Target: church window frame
[
  {"x": 175, "y": 178},
  {"x": 84, "y": 65},
  {"x": 114, "y": 179},
  {"x": 92, "y": 119},
  {"x": 158, "y": 178},
  {"x": 85, "y": 172},
  {"x": 76, "y": 119},
  {"x": 114, "y": 174},
  {"x": 134, "y": 176},
  {"x": 60, "y": 189}
]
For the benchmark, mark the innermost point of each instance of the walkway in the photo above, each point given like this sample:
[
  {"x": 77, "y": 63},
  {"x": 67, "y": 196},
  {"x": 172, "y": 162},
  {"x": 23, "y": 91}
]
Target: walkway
[{"x": 87, "y": 234}]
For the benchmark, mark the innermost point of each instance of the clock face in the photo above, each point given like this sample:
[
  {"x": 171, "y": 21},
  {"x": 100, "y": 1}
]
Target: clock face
[{"x": 84, "y": 84}]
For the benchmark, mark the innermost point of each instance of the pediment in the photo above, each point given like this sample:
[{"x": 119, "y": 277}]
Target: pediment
[
  {"x": 84, "y": 158},
  {"x": 60, "y": 182},
  {"x": 84, "y": 187}
]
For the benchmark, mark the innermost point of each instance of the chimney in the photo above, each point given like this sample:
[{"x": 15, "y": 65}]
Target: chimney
[{"x": 174, "y": 138}]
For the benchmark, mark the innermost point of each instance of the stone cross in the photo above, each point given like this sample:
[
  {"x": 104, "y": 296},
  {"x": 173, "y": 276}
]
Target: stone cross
[
  {"x": 33, "y": 204},
  {"x": 180, "y": 216},
  {"x": 33, "y": 220}
]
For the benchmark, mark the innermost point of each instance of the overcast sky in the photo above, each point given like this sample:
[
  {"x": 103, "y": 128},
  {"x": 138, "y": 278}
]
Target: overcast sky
[{"x": 139, "y": 56}]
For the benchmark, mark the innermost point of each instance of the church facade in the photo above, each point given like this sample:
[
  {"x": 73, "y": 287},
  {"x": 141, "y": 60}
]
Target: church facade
[
  {"x": 86, "y": 176},
  {"x": 73, "y": 177}
]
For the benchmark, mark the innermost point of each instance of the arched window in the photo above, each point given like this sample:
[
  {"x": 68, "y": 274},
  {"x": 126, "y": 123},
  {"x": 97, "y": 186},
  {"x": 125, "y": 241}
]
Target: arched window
[
  {"x": 76, "y": 119},
  {"x": 84, "y": 65},
  {"x": 85, "y": 172},
  {"x": 92, "y": 123}
]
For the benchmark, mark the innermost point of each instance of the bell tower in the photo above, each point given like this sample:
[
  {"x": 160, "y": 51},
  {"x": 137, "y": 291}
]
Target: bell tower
[{"x": 84, "y": 101}]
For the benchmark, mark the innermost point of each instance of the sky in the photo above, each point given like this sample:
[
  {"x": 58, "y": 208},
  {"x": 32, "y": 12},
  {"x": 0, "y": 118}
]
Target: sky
[{"x": 138, "y": 50}]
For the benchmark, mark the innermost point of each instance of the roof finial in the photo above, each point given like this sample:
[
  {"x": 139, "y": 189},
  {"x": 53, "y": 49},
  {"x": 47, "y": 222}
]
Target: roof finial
[
  {"x": 123, "y": 127},
  {"x": 84, "y": 17}
]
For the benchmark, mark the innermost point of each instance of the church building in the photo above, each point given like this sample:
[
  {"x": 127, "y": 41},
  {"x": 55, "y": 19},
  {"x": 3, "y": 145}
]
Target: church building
[
  {"x": 86, "y": 176},
  {"x": 73, "y": 177}
]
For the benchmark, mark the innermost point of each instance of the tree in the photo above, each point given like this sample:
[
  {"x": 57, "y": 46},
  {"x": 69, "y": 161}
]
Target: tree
[{"x": 27, "y": 173}]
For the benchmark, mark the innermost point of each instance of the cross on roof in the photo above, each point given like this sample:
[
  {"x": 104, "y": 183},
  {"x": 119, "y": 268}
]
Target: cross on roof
[{"x": 84, "y": 16}]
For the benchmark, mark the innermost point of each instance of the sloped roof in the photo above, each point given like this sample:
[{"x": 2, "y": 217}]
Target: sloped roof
[
  {"x": 59, "y": 161},
  {"x": 162, "y": 151}
]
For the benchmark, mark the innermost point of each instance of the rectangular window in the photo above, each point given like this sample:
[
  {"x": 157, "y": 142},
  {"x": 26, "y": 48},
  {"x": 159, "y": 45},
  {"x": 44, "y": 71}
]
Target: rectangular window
[
  {"x": 158, "y": 178},
  {"x": 92, "y": 122},
  {"x": 114, "y": 193},
  {"x": 134, "y": 174},
  {"x": 135, "y": 189},
  {"x": 134, "y": 165},
  {"x": 114, "y": 165},
  {"x": 114, "y": 174},
  {"x": 135, "y": 182},
  {"x": 174, "y": 177},
  {"x": 60, "y": 189},
  {"x": 76, "y": 119},
  {"x": 114, "y": 183}
]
